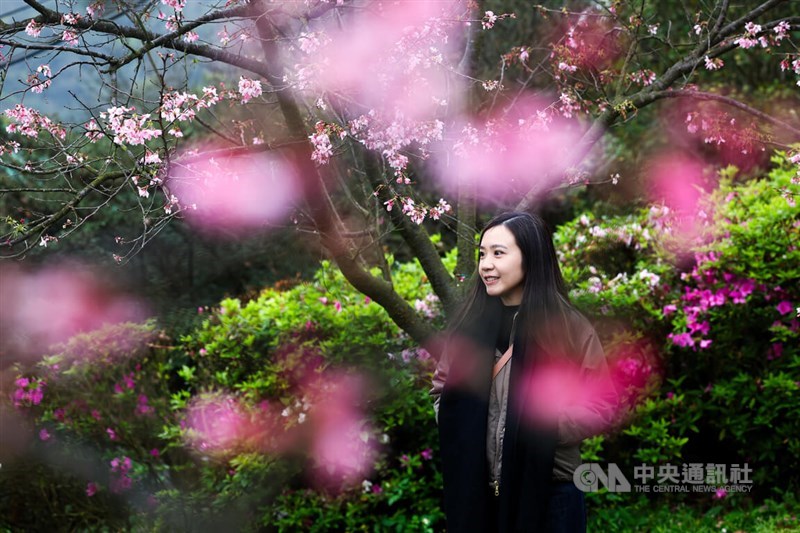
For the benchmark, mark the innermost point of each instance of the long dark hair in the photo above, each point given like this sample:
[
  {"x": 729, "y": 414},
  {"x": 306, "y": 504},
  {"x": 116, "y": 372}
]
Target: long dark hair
[{"x": 545, "y": 301}]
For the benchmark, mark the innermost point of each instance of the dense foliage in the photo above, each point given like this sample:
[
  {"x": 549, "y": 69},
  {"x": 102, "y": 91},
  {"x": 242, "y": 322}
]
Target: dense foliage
[{"x": 132, "y": 428}]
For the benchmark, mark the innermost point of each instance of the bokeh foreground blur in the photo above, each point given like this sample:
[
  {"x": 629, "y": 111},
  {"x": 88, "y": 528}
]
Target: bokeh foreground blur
[{"x": 233, "y": 233}]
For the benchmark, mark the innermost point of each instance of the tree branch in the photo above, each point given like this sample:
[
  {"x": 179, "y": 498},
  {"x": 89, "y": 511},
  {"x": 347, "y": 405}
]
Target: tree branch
[
  {"x": 169, "y": 41},
  {"x": 700, "y": 95},
  {"x": 378, "y": 289},
  {"x": 417, "y": 239}
]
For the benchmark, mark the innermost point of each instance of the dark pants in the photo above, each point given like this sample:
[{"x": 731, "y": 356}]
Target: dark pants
[{"x": 566, "y": 510}]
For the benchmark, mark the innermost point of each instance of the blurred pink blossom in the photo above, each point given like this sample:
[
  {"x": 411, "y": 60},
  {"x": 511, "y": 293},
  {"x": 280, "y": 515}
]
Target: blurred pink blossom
[
  {"x": 52, "y": 304},
  {"x": 676, "y": 181},
  {"x": 217, "y": 424},
  {"x": 407, "y": 47},
  {"x": 233, "y": 194},
  {"x": 341, "y": 446},
  {"x": 508, "y": 152},
  {"x": 560, "y": 393}
]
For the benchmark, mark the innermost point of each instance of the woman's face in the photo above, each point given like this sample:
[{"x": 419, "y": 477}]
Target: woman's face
[{"x": 500, "y": 265}]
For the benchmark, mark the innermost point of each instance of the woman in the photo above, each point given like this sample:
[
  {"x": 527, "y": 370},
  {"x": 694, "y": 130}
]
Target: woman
[{"x": 508, "y": 451}]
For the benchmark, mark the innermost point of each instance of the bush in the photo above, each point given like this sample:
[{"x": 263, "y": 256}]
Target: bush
[
  {"x": 720, "y": 312},
  {"x": 157, "y": 424}
]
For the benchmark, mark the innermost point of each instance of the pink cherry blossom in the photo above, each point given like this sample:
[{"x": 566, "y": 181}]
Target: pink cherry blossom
[
  {"x": 70, "y": 37},
  {"x": 51, "y": 304},
  {"x": 29, "y": 122},
  {"x": 34, "y": 29},
  {"x": 249, "y": 89},
  {"x": 339, "y": 448},
  {"x": 509, "y": 152},
  {"x": 713, "y": 64},
  {"x": 239, "y": 193},
  {"x": 177, "y": 5},
  {"x": 95, "y": 9},
  {"x": 488, "y": 21}
]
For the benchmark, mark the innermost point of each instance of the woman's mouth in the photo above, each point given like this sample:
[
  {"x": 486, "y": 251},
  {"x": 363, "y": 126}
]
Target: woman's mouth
[{"x": 490, "y": 280}]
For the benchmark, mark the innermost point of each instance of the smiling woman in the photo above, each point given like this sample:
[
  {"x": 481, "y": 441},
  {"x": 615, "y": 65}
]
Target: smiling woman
[
  {"x": 510, "y": 390},
  {"x": 500, "y": 265}
]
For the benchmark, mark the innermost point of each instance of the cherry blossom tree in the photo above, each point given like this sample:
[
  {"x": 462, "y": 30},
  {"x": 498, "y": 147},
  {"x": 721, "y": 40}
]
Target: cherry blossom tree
[{"x": 354, "y": 119}]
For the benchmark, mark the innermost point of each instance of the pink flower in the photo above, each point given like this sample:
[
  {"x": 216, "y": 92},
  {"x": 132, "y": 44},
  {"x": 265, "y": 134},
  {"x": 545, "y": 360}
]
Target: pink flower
[
  {"x": 95, "y": 9},
  {"x": 33, "y": 28},
  {"x": 338, "y": 306},
  {"x": 44, "y": 434},
  {"x": 177, "y": 5},
  {"x": 427, "y": 454},
  {"x": 367, "y": 300},
  {"x": 323, "y": 300},
  {"x": 489, "y": 18},
  {"x": 154, "y": 452},
  {"x": 670, "y": 395},
  {"x": 669, "y": 309},
  {"x": 376, "y": 489},
  {"x": 784, "y": 307},
  {"x": 111, "y": 434},
  {"x": 70, "y": 37},
  {"x": 323, "y": 149},
  {"x": 37, "y": 394},
  {"x": 91, "y": 489},
  {"x": 142, "y": 408},
  {"x": 682, "y": 339},
  {"x": 714, "y": 64},
  {"x": 720, "y": 494},
  {"x": 249, "y": 89},
  {"x": 705, "y": 343}
]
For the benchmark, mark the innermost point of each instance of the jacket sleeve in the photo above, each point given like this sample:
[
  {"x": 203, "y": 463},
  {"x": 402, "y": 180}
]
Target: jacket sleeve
[
  {"x": 439, "y": 379},
  {"x": 595, "y": 406}
]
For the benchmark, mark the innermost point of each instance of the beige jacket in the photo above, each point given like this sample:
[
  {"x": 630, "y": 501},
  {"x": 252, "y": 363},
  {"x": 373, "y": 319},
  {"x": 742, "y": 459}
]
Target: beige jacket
[{"x": 575, "y": 422}]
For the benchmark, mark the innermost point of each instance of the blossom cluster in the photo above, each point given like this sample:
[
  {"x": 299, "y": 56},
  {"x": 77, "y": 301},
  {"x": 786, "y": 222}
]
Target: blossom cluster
[
  {"x": 29, "y": 122},
  {"x": 714, "y": 288},
  {"x": 643, "y": 77},
  {"x": 183, "y": 106},
  {"x": 129, "y": 128},
  {"x": 28, "y": 391},
  {"x": 390, "y": 137},
  {"x": 39, "y": 85},
  {"x": 249, "y": 89},
  {"x": 429, "y": 306},
  {"x": 120, "y": 474},
  {"x": 720, "y": 128},
  {"x": 751, "y": 37}
]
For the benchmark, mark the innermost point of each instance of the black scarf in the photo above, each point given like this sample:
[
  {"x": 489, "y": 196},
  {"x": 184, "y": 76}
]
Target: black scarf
[{"x": 528, "y": 451}]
